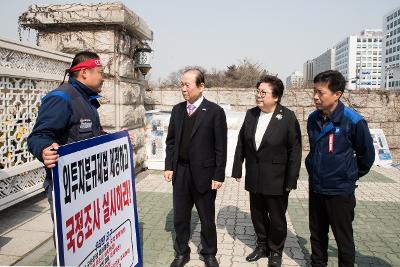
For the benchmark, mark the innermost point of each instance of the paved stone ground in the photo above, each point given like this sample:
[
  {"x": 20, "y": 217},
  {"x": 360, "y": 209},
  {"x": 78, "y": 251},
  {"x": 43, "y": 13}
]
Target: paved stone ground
[
  {"x": 376, "y": 224},
  {"x": 377, "y": 230},
  {"x": 24, "y": 228}
]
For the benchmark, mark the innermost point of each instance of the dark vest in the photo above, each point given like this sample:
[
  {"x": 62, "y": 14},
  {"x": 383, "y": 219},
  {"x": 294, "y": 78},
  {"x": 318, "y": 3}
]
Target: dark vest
[
  {"x": 187, "y": 127},
  {"x": 84, "y": 122}
]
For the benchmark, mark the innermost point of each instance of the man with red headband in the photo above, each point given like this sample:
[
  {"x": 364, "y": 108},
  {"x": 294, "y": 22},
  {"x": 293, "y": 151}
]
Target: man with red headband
[{"x": 68, "y": 114}]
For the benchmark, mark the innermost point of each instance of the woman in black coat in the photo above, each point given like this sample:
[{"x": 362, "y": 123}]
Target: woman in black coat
[{"x": 270, "y": 142}]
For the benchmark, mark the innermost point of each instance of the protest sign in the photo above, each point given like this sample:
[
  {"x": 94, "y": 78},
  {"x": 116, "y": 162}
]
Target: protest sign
[{"x": 95, "y": 203}]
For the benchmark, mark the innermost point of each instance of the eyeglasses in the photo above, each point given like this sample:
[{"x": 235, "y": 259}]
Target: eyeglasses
[{"x": 261, "y": 93}]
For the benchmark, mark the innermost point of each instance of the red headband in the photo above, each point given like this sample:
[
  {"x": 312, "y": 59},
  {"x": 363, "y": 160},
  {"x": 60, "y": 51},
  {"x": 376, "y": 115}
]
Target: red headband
[{"x": 88, "y": 64}]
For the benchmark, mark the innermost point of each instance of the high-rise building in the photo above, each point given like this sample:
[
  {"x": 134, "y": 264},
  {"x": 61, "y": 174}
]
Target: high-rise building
[
  {"x": 324, "y": 62},
  {"x": 308, "y": 73},
  {"x": 391, "y": 50},
  {"x": 359, "y": 59},
  {"x": 295, "y": 80}
]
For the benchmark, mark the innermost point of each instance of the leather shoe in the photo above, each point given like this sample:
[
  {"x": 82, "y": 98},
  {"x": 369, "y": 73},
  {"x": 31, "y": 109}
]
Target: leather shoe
[
  {"x": 275, "y": 260},
  {"x": 258, "y": 253},
  {"x": 211, "y": 261},
  {"x": 180, "y": 260}
]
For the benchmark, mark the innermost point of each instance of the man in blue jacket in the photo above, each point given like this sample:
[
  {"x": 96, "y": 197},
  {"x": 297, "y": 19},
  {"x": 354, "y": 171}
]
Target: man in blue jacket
[
  {"x": 341, "y": 151},
  {"x": 68, "y": 114}
]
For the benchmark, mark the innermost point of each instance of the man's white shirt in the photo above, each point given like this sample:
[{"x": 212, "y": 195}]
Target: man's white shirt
[{"x": 195, "y": 104}]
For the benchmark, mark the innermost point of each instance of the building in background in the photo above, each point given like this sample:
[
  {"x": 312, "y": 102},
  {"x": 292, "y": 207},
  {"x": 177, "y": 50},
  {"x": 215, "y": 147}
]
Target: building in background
[
  {"x": 295, "y": 80},
  {"x": 359, "y": 59},
  {"x": 324, "y": 62},
  {"x": 391, "y": 50},
  {"x": 308, "y": 73}
]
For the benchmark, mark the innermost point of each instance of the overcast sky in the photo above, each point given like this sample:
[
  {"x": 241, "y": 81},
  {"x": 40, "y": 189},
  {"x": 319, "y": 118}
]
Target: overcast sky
[{"x": 281, "y": 35}]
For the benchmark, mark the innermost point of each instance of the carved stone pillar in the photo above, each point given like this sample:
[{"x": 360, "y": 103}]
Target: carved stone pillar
[{"x": 114, "y": 32}]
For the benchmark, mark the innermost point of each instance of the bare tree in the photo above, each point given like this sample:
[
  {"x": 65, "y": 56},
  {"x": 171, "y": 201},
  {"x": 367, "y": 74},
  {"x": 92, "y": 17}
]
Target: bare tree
[{"x": 242, "y": 75}]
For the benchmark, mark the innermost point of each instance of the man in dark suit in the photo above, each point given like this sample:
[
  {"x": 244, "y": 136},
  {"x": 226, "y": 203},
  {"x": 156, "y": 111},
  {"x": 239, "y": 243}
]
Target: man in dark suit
[
  {"x": 195, "y": 163},
  {"x": 270, "y": 141}
]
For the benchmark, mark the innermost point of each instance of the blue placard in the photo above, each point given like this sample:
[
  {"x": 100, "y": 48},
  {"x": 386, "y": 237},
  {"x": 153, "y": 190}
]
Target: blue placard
[{"x": 95, "y": 203}]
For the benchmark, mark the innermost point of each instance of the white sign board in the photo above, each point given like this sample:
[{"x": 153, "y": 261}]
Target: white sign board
[
  {"x": 95, "y": 203},
  {"x": 382, "y": 153}
]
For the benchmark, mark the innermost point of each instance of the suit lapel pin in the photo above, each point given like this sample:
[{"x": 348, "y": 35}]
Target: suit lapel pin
[
  {"x": 279, "y": 116},
  {"x": 203, "y": 109}
]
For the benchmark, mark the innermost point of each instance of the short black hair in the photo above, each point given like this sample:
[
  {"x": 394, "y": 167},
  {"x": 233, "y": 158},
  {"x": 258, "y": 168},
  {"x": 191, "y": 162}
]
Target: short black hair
[
  {"x": 200, "y": 76},
  {"x": 80, "y": 57},
  {"x": 333, "y": 78},
  {"x": 276, "y": 84}
]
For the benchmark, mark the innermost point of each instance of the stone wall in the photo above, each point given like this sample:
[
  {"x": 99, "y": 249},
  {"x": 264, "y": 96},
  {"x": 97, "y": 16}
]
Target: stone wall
[{"x": 380, "y": 108}]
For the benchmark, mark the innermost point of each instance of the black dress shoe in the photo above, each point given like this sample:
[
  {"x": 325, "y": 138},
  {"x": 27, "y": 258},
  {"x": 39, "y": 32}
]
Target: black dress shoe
[
  {"x": 211, "y": 261},
  {"x": 180, "y": 260},
  {"x": 275, "y": 260},
  {"x": 258, "y": 253}
]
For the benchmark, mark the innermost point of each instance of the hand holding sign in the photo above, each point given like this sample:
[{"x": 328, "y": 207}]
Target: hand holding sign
[
  {"x": 50, "y": 156},
  {"x": 131, "y": 136}
]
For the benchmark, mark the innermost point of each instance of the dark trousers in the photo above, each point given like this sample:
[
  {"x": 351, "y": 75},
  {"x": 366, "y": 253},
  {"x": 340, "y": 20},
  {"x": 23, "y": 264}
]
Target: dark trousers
[
  {"x": 49, "y": 194},
  {"x": 185, "y": 196},
  {"x": 269, "y": 221},
  {"x": 338, "y": 212}
]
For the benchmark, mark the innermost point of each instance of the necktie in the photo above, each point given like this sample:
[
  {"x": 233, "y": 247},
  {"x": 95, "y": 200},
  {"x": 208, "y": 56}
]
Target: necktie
[{"x": 191, "y": 108}]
